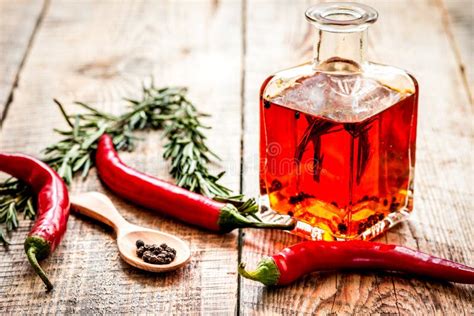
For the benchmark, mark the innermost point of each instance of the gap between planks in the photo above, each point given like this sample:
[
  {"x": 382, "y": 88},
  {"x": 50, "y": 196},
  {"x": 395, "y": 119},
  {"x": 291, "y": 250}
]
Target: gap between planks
[
  {"x": 240, "y": 238},
  {"x": 29, "y": 45}
]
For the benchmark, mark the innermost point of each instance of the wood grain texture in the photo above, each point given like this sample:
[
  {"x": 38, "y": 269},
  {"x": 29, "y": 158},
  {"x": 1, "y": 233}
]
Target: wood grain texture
[
  {"x": 412, "y": 36},
  {"x": 459, "y": 21},
  {"x": 18, "y": 21},
  {"x": 99, "y": 52}
]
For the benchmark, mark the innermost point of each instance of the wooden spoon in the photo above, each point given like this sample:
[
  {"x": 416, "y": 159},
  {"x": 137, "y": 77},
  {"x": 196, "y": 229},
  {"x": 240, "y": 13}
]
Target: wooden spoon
[{"x": 98, "y": 206}]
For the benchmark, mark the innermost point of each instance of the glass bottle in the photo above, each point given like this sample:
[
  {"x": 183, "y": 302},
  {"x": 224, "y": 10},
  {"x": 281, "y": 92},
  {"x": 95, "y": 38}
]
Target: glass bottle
[{"x": 338, "y": 134}]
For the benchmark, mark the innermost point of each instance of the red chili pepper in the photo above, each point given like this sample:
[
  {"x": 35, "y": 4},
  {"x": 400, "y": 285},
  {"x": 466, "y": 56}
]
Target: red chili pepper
[
  {"x": 167, "y": 198},
  {"x": 52, "y": 206},
  {"x": 311, "y": 256}
]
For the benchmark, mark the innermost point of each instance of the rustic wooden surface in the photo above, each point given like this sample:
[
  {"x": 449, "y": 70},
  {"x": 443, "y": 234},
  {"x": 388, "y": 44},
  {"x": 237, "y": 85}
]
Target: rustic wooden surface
[
  {"x": 100, "y": 51},
  {"x": 412, "y": 35},
  {"x": 15, "y": 42}
]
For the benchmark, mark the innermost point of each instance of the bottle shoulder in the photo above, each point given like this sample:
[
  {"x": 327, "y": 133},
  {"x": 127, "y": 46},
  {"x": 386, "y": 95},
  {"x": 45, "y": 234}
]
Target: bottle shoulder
[
  {"x": 339, "y": 96},
  {"x": 394, "y": 78}
]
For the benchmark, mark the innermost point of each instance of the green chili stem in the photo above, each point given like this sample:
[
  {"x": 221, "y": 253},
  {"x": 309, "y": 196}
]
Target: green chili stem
[
  {"x": 230, "y": 218},
  {"x": 288, "y": 226},
  {"x": 31, "y": 254},
  {"x": 266, "y": 272}
]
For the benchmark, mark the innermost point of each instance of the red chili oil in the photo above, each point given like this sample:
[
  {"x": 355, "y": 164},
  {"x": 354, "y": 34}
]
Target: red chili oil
[{"x": 342, "y": 176}]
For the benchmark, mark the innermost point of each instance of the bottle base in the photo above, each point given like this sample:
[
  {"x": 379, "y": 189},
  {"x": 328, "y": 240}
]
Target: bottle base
[{"x": 307, "y": 231}]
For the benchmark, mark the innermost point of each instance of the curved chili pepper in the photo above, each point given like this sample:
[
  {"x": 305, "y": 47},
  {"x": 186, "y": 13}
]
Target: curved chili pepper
[
  {"x": 167, "y": 198},
  {"x": 52, "y": 206},
  {"x": 311, "y": 256}
]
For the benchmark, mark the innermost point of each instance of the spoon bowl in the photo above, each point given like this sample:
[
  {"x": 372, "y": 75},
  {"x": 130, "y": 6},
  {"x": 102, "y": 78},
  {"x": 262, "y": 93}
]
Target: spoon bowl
[
  {"x": 98, "y": 206},
  {"x": 128, "y": 249}
]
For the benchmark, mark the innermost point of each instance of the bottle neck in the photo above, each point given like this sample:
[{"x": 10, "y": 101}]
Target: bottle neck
[{"x": 340, "y": 51}]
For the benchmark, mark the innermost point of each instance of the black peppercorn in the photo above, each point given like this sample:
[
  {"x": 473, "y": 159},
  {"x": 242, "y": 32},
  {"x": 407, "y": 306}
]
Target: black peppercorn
[
  {"x": 139, "y": 243},
  {"x": 140, "y": 251},
  {"x": 148, "y": 247},
  {"x": 147, "y": 256},
  {"x": 394, "y": 207},
  {"x": 275, "y": 186},
  {"x": 342, "y": 228},
  {"x": 154, "y": 254}
]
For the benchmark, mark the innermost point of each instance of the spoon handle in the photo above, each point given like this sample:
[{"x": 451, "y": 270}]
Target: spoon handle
[{"x": 99, "y": 207}]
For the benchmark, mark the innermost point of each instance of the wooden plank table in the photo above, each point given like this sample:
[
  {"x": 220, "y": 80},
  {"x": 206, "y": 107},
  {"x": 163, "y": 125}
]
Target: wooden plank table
[{"x": 100, "y": 51}]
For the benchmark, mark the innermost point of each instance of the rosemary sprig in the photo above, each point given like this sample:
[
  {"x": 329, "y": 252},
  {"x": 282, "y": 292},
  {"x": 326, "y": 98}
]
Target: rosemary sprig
[
  {"x": 14, "y": 197},
  {"x": 167, "y": 109}
]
